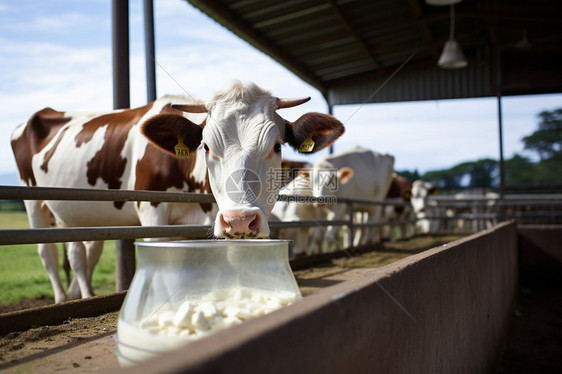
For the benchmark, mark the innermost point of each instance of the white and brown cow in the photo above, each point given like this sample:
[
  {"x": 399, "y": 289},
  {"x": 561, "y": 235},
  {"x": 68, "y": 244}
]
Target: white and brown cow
[
  {"x": 355, "y": 173},
  {"x": 400, "y": 191},
  {"x": 425, "y": 210},
  {"x": 233, "y": 141}
]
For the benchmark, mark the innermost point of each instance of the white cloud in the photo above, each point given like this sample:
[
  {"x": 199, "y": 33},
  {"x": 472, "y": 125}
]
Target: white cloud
[{"x": 68, "y": 66}]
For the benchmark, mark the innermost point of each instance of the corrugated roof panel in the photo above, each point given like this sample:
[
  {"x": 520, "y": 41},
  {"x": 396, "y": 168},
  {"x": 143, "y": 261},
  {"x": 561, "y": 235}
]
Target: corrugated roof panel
[
  {"x": 333, "y": 44},
  {"x": 433, "y": 84}
]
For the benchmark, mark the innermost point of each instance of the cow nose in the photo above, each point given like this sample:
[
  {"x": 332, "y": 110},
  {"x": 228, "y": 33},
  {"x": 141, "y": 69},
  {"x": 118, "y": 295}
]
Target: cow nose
[{"x": 240, "y": 223}]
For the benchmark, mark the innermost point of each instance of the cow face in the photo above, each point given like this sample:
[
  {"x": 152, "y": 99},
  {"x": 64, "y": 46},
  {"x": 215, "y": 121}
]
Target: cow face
[
  {"x": 420, "y": 193},
  {"x": 241, "y": 141},
  {"x": 325, "y": 180}
]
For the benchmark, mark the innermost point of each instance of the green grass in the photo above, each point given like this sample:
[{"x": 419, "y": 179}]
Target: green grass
[{"x": 22, "y": 275}]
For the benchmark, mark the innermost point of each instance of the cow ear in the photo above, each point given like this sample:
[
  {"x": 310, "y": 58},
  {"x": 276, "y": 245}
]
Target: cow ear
[
  {"x": 313, "y": 132},
  {"x": 166, "y": 131},
  {"x": 345, "y": 174}
]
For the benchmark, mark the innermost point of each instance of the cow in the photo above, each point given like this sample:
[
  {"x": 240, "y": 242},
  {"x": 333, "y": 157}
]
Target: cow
[
  {"x": 228, "y": 146},
  {"x": 425, "y": 210},
  {"x": 295, "y": 210},
  {"x": 472, "y": 210},
  {"x": 400, "y": 191},
  {"x": 356, "y": 173}
]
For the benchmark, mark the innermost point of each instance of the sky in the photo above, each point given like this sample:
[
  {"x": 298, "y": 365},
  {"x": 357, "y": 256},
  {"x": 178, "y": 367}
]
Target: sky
[{"x": 57, "y": 54}]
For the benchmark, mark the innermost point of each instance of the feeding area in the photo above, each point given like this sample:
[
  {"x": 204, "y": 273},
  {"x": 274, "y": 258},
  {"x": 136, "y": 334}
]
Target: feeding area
[
  {"x": 230, "y": 258},
  {"x": 393, "y": 292}
]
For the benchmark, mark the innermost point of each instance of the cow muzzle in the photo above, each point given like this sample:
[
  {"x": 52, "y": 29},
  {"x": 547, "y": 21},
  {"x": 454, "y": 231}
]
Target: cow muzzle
[{"x": 241, "y": 224}]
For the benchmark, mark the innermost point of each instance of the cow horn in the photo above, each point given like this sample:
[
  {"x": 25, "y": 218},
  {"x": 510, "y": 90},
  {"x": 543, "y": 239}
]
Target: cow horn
[
  {"x": 191, "y": 108},
  {"x": 289, "y": 103}
]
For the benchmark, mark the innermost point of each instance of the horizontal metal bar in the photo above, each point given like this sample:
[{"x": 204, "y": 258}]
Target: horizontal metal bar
[
  {"x": 298, "y": 224},
  {"x": 73, "y": 234},
  {"x": 56, "y": 193},
  {"x": 322, "y": 199}
]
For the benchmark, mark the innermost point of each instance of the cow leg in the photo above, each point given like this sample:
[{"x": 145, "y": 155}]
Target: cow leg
[
  {"x": 40, "y": 216},
  {"x": 331, "y": 234},
  {"x": 93, "y": 253},
  {"x": 49, "y": 254},
  {"x": 374, "y": 234},
  {"x": 300, "y": 242},
  {"x": 79, "y": 265}
]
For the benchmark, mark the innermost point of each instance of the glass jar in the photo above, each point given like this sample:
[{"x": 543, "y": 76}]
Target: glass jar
[{"x": 185, "y": 290}]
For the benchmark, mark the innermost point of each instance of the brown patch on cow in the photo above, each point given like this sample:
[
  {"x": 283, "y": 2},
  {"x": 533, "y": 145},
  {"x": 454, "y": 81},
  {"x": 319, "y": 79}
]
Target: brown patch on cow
[
  {"x": 291, "y": 169},
  {"x": 400, "y": 187},
  {"x": 165, "y": 130},
  {"x": 51, "y": 152},
  {"x": 41, "y": 128},
  {"x": 107, "y": 163},
  {"x": 167, "y": 109},
  {"x": 158, "y": 171},
  {"x": 323, "y": 129}
]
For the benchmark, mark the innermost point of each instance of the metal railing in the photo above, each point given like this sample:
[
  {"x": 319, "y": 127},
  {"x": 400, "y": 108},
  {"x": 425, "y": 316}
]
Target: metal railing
[
  {"x": 446, "y": 208},
  {"x": 475, "y": 208},
  {"x": 481, "y": 212},
  {"x": 69, "y": 234}
]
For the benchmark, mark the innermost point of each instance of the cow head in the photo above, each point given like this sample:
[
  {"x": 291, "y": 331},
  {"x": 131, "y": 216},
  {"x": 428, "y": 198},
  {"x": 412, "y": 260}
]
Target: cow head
[
  {"x": 241, "y": 140},
  {"x": 420, "y": 194},
  {"x": 325, "y": 179}
]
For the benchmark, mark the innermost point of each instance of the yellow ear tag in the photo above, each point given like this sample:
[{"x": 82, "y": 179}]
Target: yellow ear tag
[
  {"x": 307, "y": 145},
  {"x": 181, "y": 149}
]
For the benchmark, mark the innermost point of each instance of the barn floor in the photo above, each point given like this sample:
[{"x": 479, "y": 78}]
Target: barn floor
[{"x": 86, "y": 344}]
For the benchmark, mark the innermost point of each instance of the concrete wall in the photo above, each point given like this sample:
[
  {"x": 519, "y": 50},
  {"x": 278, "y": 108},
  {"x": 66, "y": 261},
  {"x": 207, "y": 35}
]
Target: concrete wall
[{"x": 445, "y": 310}]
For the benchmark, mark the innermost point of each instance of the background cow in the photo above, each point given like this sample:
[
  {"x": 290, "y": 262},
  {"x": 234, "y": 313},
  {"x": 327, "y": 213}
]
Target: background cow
[
  {"x": 400, "y": 191},
  {"x": 424, "y": 209},
  {"x": 233, "y": 140},
  {"x": 480, "y": 206},
  {"x": 296, "y": 211},
  {"x": 356, "y": 173}
]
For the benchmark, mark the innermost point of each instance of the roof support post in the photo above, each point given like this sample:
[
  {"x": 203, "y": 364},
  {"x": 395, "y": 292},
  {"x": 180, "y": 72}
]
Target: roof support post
[
  {"x": 120, "y": 42},
  {"x": 497, "y": 84},
  {"x": 330, "y": 112},
  {"x": 500, "y": 133},
  {"x": 125, "y": 249},
  {"x": 150, "y": 55}
]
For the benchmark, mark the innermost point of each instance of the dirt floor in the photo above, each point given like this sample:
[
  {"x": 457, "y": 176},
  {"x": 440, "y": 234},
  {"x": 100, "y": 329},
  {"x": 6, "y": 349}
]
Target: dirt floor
[{"x": 534, "y": 344}]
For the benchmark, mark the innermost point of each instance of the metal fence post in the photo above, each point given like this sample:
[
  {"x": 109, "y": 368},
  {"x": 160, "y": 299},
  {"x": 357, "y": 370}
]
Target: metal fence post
[
  {"x": 125, "y": 264},
  {"x": 351, "y": 226},
  {"x": 125, "y": 250}
]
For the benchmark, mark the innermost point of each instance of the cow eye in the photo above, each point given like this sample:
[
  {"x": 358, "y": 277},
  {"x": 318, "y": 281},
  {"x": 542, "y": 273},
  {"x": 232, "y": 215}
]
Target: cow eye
[
  {"x": 206, "y": 147},
  {"x": 277, "y": 147}
]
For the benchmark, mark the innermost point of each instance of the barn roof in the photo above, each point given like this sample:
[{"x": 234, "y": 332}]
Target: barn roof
[{"x": 348, "y": 49}]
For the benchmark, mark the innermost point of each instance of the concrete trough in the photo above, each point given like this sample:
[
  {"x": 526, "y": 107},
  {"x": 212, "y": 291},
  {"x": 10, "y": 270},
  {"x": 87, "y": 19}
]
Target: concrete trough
[{"x": 444, "y": 310}]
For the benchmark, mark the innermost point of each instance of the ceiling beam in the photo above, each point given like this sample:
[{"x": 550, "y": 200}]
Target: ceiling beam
[
  {"x": 423, "y": 28},
  {"x": 357, "y": 37},
  {"x": 221, "y": 14}
]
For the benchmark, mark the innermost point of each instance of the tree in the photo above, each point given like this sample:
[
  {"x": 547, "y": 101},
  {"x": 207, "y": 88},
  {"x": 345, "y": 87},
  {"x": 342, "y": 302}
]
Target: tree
[
  {"x": 482, "y": 172},
  {"x": 547, "y": 140},
  {"x": 410, "y": 175},
  {"x": 519, "y": 170}
]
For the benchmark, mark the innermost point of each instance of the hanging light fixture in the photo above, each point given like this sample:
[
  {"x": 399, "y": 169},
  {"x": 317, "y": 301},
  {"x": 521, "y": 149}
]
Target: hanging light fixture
[{"x": 452, "y": 56}]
